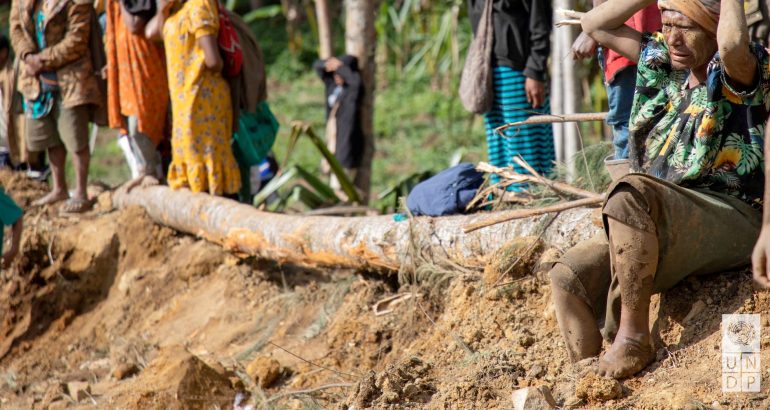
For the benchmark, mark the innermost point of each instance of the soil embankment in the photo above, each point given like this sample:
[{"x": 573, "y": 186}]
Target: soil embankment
[{"x": 110, "y": 310}]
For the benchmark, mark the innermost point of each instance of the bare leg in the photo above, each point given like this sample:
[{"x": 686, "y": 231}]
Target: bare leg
[
  {"x": 634, "y": 256},
  {"x": 81, "y": 161},
  {"x": 576, "y": 323},
  {"x": 57, "y": 157}
]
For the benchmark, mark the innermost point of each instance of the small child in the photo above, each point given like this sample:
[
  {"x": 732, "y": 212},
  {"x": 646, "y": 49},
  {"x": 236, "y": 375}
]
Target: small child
[{"x": 10, "y": 214}]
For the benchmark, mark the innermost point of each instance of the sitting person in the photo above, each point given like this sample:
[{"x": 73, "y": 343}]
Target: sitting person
[{"x": 692, "y": 205}]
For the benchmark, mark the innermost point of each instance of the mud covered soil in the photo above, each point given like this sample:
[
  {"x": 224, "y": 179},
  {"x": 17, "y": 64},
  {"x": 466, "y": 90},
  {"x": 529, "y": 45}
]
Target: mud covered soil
[{"x": 109, "y": 310}]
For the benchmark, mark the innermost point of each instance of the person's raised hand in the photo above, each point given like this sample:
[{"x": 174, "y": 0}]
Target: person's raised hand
[
  {"x": 583, "y": 47},
  {"x": 332, "y": 64},
  {"x": 535, "y": 91}
]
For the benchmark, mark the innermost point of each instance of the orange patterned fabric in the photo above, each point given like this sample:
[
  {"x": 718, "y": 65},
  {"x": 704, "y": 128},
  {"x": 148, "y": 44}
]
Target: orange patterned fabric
[{"x": 136, "y": 78}]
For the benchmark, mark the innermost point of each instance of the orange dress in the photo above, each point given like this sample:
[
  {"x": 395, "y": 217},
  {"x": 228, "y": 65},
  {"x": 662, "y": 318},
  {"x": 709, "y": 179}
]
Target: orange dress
[{"x": 136, "y": 78}]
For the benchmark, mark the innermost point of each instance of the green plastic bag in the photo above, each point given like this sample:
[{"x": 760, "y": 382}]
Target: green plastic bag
[
  {"x": 255, "y": 136},
  {"x": 251, "y": 144}
]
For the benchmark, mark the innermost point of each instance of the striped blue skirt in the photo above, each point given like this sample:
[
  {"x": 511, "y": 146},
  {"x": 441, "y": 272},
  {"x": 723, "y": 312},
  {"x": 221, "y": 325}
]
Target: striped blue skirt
[{"x": 534, "y": 143}]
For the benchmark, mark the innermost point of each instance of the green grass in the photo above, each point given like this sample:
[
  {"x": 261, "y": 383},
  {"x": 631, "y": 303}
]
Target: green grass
[
  {"x": 107, "y": 162},
  {"x": 417, "y": 129}
]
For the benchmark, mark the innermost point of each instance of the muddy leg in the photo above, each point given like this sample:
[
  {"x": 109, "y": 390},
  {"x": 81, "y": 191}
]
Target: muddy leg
[
  {"x": 57, "y": 156},
  {"x": 576, "y": 323},
  {"x": 634, "y": 260}
]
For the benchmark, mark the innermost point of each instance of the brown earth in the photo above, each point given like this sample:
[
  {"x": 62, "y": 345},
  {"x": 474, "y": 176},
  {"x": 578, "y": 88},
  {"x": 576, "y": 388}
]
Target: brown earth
[{"x": 109, "y": 310}]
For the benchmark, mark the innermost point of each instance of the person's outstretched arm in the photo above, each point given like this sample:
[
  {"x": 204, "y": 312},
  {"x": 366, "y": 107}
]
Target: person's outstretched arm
[
  {"x": 733, "y": 39},
  {"x": 606, "y": 24}
]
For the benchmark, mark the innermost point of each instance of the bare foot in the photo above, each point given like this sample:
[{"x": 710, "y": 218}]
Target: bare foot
[
  {"x": 51, "y": 198},
  {"x": 626, "y": 357}
]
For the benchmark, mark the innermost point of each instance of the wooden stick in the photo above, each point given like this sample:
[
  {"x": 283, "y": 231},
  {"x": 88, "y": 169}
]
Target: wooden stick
[
  {"x": 510, "y": 174},
  {"x": 551, "y": 118},
  {"x": 525, "y": 213},
  {"x": 555, "y": 185}
]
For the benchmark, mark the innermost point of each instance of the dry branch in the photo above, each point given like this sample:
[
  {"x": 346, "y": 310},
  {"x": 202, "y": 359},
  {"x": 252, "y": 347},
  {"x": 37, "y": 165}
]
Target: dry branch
[
  {"x": 308, "y": 391},
  {"x": 551, "y": 118},
  {"x": 557, "y": 186},
  {"x": 526, "y": 213}
]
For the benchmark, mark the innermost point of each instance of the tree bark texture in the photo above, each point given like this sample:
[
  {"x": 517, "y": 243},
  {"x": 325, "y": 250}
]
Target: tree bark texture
[
  {"x": 325, "y": 44},
  {"x": 377, "y": 243},
  {"x": 360, "y": 41}
]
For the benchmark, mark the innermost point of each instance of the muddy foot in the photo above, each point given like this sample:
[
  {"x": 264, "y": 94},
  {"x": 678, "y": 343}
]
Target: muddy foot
[
  {"x": 51, "y": 198},
  {"x": 625, "y": 358}
]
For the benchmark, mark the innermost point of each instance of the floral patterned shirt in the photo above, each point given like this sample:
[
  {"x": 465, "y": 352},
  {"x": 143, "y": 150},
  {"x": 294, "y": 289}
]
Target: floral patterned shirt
[{"x": 710, "y": 136}]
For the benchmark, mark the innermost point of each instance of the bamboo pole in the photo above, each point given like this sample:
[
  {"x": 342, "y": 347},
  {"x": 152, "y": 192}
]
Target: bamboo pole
[
  {"x": 377, "y": 242},
  {"x": 555, "y": 118}
]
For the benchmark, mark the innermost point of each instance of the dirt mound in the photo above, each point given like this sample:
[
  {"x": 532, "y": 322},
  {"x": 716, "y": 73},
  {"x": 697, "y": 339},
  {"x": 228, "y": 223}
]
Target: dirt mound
[
  {"x": 176, "y": 379},
  {"x": 407, "y": 384},
  {"x": 100, "y": 304},
  {"x": 22, "y": 189}
]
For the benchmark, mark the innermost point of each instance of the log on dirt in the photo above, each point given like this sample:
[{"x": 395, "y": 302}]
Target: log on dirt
[{"x": 374, "y": 242}]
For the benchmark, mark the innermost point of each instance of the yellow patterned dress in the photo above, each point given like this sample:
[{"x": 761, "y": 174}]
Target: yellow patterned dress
[{"x": 202, "y": 159}]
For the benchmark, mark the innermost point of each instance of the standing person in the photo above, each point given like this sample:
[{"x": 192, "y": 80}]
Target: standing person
[
  {"x": 138, "y": 96},
  {"x": 344, "y": 135},
  {"x": 520, "y": 54},
  {"x": 202, "y": 111},
  {"x": 59, "y": 85},
  {"x": 619, "y": 74},
  {"x": 693, "y": 204}
]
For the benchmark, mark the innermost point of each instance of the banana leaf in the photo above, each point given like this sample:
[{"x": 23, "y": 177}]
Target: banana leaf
[
  {"x": 274, "y": 185},
  {"x": 321, "y": 188},
  {"x": 337, "y": 169}
]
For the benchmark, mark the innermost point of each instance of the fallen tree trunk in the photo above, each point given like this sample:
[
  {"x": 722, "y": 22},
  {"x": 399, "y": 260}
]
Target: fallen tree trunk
[{"x": 376, "y": 242}]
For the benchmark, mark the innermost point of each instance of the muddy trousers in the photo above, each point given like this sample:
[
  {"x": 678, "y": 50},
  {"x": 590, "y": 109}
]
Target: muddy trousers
[{"x": 698, "y": 232}]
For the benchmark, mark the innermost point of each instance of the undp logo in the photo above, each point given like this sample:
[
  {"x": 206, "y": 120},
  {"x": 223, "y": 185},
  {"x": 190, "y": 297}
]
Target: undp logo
[{"x": 741, "y": 370}]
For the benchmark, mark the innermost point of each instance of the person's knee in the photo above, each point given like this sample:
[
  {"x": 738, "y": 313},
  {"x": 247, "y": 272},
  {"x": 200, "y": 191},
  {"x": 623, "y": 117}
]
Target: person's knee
[{"x": 565, "y": 286}]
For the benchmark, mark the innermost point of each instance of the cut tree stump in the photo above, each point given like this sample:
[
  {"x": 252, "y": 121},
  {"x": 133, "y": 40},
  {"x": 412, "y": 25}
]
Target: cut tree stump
[{"x": 369, "y": 242}]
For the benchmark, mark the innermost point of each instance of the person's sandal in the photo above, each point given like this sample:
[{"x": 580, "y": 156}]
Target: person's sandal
[{"x": 76, "y": 206}]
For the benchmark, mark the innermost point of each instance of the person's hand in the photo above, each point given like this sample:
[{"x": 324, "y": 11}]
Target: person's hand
[
  {"x": 103, "y": 72},
  {"x": 8, "y": 257},
  {"x": 33, "y": 64},
  {"x": 535, "y": 92},
  {"x": 583, "y": 47},
  {"x": 760, "y": 258},
  {"x": 332, "y": 64}
]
